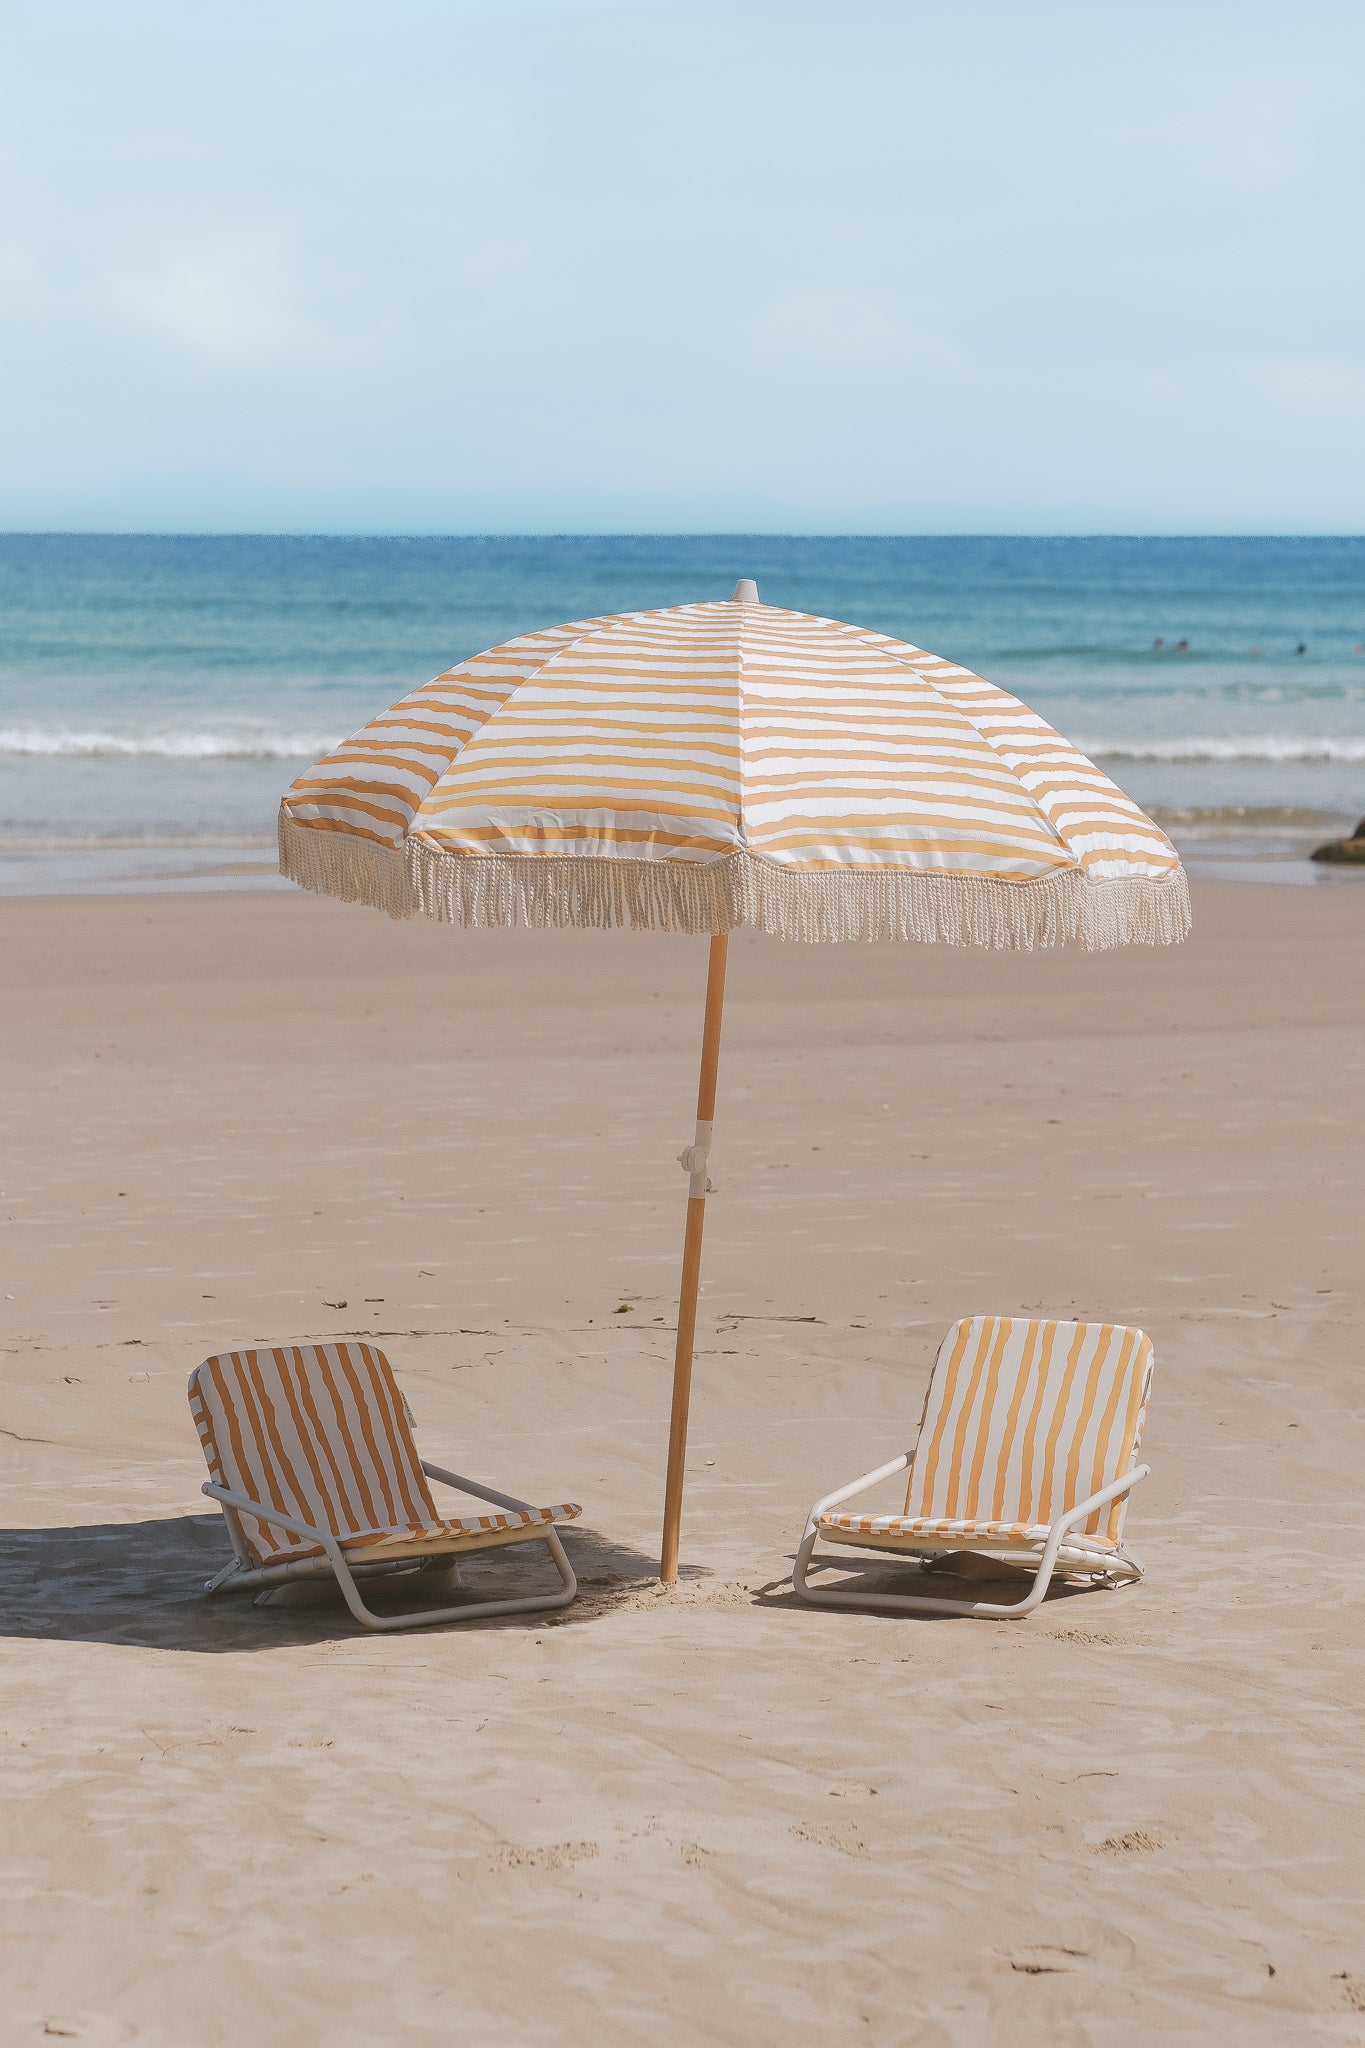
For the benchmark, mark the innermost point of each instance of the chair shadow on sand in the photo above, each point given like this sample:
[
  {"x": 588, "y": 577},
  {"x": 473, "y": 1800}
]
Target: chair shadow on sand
[
  {"x": 141, "y": 1584},
  {"x": 956, "y": 1575}
]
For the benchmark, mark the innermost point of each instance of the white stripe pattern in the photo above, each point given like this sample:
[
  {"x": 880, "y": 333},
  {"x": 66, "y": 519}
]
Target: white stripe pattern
[
  {"x": 719, "y": 764},
  {"x": 1022, "y": 1420},
  {"x": 320, "y": 1432}
]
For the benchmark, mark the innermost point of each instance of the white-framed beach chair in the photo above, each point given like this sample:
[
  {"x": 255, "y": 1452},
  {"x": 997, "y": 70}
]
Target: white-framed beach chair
[
  {"x": 312, "y": 1460},
  {"x": 1027, "y": 1449}
]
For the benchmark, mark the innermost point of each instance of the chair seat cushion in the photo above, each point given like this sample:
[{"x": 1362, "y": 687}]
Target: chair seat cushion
[
  {"x": 929, "y": 1532},
  {"x": 462, "y": 1532}
]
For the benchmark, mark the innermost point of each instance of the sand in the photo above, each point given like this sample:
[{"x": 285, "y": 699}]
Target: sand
[{"x": 714, "y": 1815}]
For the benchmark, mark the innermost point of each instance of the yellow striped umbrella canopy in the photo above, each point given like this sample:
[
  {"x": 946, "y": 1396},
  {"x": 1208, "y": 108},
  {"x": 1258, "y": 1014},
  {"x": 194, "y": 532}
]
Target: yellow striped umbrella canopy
[{"x": 724, "y": 764}]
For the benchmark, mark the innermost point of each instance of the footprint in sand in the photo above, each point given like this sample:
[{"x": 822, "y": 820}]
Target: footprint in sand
[
  {"x": 1045, "y": 1960},
  {"x": 95, "y": 2030},
  {"x": 1350, "y": 1992},
  {"x": 545, "y": 1856},
  {"x": 846, "y": 1840}
]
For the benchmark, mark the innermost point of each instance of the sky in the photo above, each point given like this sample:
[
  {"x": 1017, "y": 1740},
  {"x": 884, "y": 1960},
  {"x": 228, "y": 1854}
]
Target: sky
[{"x": 927, "y": 266}]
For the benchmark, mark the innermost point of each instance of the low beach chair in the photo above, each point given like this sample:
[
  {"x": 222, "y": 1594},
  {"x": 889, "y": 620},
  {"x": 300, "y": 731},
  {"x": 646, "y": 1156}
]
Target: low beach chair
[
  {"x": 1027, "y": 1449},
  {"x": 312, "y": 1460}
]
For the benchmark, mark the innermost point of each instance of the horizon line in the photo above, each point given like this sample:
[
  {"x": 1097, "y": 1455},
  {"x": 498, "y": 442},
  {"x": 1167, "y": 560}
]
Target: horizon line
[{"x": 625, "y": 533}]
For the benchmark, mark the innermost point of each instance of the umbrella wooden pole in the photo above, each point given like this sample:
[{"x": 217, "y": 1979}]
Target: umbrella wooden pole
[{"x": 694, "y": 1159}]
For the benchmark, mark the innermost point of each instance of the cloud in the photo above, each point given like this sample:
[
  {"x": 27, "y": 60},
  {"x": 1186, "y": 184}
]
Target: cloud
[{"x": 234, "y": 308}]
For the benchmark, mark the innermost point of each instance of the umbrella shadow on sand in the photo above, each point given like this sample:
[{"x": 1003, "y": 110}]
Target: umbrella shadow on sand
[{"x": 141, "y": 1584}]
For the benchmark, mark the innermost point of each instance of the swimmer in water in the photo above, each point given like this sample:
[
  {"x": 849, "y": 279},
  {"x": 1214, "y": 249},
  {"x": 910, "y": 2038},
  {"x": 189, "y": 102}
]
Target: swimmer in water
[
  {"x": 1301, "y": 649},
  {"x": 1158, "y": 644},
  {"x": 1182, "y": 646}
]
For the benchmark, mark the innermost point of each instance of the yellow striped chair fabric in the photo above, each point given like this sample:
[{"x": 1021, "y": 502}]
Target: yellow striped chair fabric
[
  {"x": 1021, "y": 1421},
  {"x": 320, "y": 1432}
]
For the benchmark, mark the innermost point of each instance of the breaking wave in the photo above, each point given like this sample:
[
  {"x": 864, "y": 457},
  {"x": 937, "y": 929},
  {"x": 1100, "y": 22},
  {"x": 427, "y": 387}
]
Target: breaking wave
[
  {"x": 91, "y": 744},
  {"x": 31, "y": 742},
  {"x": 1269, "y": 747}
]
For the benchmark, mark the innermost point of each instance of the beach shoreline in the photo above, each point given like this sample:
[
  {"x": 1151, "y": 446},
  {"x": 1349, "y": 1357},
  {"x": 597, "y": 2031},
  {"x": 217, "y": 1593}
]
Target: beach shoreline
[
  {"x": 258, "y": 1115},
  {"x": 249, "y": 865},
  {"x": 158, "y": 693}
]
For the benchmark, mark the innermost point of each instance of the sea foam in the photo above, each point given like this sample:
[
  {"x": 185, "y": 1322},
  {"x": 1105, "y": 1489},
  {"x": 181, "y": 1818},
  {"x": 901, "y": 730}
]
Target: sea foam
[
  {"x": 32, "y": 742},
  {"x": 1244, "y": 747}
]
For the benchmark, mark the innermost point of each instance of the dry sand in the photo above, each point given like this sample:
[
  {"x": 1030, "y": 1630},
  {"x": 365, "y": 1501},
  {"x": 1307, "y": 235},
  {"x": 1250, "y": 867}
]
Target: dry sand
[{"x": 714, "y": 1816}]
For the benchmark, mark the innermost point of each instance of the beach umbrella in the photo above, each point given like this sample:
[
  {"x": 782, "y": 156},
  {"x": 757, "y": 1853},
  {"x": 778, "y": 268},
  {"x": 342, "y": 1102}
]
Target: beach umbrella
[{"x": 723, "y": 764}]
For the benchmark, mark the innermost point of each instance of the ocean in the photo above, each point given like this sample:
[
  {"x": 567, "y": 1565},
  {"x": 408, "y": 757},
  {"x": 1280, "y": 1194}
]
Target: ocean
[{"x": 157, "y": 694}]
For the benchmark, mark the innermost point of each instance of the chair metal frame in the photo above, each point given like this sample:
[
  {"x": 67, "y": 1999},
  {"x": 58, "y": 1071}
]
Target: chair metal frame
[
  {"x": 1113, "y": 1568},
  {"x": 420, "y": 1553}
]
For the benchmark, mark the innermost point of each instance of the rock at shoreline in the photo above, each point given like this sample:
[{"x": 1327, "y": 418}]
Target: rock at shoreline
[{"x": 1345, "y": 852}]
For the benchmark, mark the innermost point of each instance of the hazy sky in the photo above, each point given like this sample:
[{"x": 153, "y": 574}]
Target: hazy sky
[{"x": 545, "y": 265}]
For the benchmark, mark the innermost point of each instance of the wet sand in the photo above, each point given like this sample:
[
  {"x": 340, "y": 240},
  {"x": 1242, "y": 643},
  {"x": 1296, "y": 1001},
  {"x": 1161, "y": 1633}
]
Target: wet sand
[{"x": 712, "y": 1815}]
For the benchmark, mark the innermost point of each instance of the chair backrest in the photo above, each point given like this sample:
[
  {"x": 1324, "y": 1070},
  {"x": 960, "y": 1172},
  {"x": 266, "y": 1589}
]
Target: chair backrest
[
  {"x": 318, "y": 1431},
  {"x": 1024, "y": 1419}
]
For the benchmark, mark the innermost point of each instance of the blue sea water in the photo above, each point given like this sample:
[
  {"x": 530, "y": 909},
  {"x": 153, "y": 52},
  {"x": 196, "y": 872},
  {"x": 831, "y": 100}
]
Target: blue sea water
[{"x": 158, "y": 693}]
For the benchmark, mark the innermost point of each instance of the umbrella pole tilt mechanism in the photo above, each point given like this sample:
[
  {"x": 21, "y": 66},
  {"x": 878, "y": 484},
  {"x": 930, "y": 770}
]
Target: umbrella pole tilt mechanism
[{"x": 694, "y": 1162}]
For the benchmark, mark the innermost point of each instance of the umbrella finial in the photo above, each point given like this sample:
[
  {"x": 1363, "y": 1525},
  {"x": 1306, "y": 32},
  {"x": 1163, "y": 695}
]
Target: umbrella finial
[{"x": 746, "y": 591}]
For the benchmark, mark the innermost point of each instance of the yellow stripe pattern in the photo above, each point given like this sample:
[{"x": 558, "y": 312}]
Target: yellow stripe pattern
[
  {"x": 319, "y": 1432},
  {"x": 1021, "y": 1421},
  {"x": 692, "y": 737}
]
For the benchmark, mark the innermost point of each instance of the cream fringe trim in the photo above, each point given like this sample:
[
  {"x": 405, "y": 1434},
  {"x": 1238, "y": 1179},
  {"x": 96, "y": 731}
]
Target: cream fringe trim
[{"x": 593, "y": 892}]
